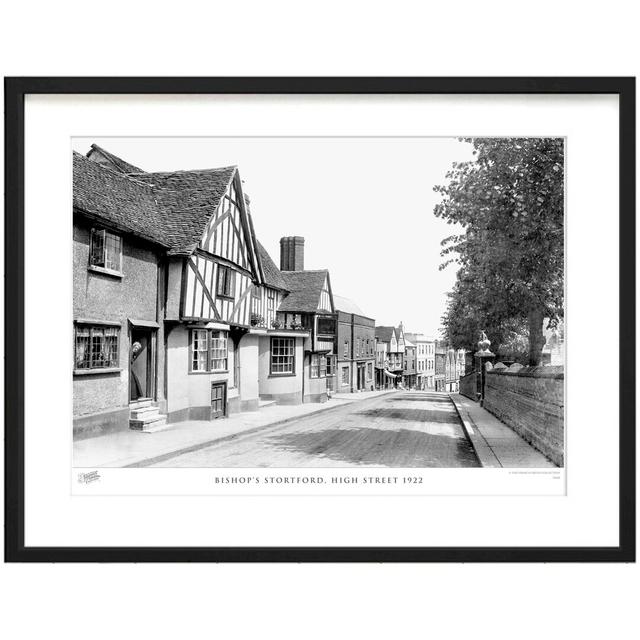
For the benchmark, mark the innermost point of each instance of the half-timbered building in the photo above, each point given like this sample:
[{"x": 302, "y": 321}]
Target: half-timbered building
[
  {"x": 308, "y": 306},
  {"x": 179, "y": 312}
]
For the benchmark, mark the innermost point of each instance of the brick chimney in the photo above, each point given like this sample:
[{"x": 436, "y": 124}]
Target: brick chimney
[{"x": 292, "y": 253}]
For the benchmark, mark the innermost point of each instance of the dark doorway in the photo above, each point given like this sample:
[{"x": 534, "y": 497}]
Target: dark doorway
[
  {"x": 218, "y": 399},
  {"x": 361, "y": 376},
  {"x": 141, "y": 364}
]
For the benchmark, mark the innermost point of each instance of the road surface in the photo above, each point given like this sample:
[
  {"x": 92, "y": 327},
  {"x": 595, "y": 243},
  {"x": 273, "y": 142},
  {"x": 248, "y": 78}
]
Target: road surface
[{"x": 403, "y": 429}]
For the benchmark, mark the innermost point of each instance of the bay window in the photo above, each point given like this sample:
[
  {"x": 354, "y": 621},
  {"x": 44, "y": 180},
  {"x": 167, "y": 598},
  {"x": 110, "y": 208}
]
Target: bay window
[
  {"x": 209, "y": 351},
  {"x": 282, "y": 356}
]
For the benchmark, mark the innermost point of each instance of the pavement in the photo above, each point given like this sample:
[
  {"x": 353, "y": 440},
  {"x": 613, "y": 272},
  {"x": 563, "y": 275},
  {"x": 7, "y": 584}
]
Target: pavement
[
  {"x": 495, "y": 444},
  {"x": 401, "y": 429},
  {"x": 131, "y": 448}
]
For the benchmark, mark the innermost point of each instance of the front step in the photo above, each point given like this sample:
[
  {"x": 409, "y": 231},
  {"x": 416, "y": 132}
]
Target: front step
[
  {"x": 158, "y": 425},
  {"x": 141, "y": 403},
  {"x": 149, "y": 425},
  {"x": 145, "y": 417},
  {"x": 145, "y": 412},
  {"x": 266, "y": 403}
]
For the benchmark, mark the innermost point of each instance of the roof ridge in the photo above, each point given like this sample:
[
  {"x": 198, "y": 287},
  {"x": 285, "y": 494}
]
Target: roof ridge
[
  {"x": 115, "y": 172},
  {"x": 117, "y": 160},
  {"x": 168, "y": 173}
]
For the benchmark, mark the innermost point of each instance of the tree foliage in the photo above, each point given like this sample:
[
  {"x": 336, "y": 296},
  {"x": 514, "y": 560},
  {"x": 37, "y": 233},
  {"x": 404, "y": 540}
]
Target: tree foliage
[{"x": 510, "y": 203}]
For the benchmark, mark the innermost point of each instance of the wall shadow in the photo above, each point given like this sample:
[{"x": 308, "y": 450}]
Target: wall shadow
[
  {"x": 436, "y": 399},
  {"x": 410, "y": 415},
  {"x": 390, "y": 448}
]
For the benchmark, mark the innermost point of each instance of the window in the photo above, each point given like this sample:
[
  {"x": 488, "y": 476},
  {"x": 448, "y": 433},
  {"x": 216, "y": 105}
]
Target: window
[
  {"x": 330, "y": 365},
  {"x": 323, "y": 366},
  {"x": 199, "y": 349},
  {"x": 345, "y": 375},
  {"x": 219, "y": 353},
  {"x": 282, "y": 356},
  {"x": 208, "y": 350},
  {"x": 271, "y": 299},
  {"x": 106, "y": 250},
  {"x": 326, "y": 325},
  {"x": 369, "y": 371},
  {"x": 319, "y": 365},
  {"x": 96, "y": 347},
  {"x": 226, "y": 282},
  {"x": 255, "y": 299},
  {"x": 345, "y": 353}
]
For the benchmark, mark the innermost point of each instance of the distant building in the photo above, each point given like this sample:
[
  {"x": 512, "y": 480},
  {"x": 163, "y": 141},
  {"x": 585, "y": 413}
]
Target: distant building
[
  {"x": 389, "y": 357},
  {"x": 425, "y": 360},
  {"x": 409, "y": 372},
  {"x": 440, "y": 357},
  {"x": 451, "y": 371},
  {"x": 355, "y": 348}
]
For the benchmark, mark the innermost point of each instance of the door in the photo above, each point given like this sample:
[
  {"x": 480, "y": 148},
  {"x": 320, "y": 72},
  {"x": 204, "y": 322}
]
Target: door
[
  {"x": 218, "y": 399},
  {"x": 361, "y": 377},
  {"x": 140, "y": 365}
]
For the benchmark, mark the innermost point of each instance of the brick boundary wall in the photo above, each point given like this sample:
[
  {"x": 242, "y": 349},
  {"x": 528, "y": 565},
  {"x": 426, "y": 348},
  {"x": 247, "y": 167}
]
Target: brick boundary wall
[
  {"x": 469, "y": 386},
  {"x": 530, "y": 400}
]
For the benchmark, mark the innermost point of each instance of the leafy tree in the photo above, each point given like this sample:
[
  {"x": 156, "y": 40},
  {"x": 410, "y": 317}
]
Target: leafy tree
[{"x": 510, "y": 204}]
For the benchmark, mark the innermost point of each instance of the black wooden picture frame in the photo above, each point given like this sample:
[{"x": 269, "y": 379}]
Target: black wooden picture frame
[{"x": 15, "y": 91}]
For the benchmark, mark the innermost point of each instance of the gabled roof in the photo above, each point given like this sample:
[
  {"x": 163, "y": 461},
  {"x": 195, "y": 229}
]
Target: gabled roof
[
  {"x": 127, "y": 204},
  {"x": 346, "y": 305},
  {"x": 305, "y": 288},
  {"x": 272, "y": 275},
  {"x": 187, "y": 200},
  {"x": 384, "y": 334},
  {"x": 118, "y": 164},
  {"x": 171, "y": 207}
]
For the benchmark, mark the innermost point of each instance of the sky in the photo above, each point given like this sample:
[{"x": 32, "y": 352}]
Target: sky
[{"x": 363, "y": 205}]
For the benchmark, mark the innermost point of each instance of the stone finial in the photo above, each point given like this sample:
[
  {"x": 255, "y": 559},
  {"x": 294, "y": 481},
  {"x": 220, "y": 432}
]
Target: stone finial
[{"x": 483, "y": 346}]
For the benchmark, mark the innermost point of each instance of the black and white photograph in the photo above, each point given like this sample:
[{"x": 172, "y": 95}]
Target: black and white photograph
[{"x": 320, "y": 302}]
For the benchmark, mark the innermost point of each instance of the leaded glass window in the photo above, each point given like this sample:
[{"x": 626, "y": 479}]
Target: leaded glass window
[{"x": 96, "y": 347}]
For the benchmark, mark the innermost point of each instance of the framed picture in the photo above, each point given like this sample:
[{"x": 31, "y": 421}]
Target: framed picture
[{"x": 320, "y": 319}]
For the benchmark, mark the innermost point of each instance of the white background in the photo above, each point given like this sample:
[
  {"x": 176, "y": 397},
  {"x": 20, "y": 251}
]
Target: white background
[
  {"x": 53, "y": 517},
  {"x": 465, "y": 38}
]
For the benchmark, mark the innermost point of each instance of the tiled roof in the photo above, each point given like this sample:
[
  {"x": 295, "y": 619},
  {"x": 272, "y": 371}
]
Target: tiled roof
[
  {"x": 305, "y": 288},
  {"x": 129, "y": 205},
  {"x": 117, "y": 163},
  {"x": 346, "y": 305},
  {"x": 187, "y": 200},
  {"x": 172, "y": 208},
  {"x": 384, "y": 333},
  {"x": 272, "y": 275}
]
